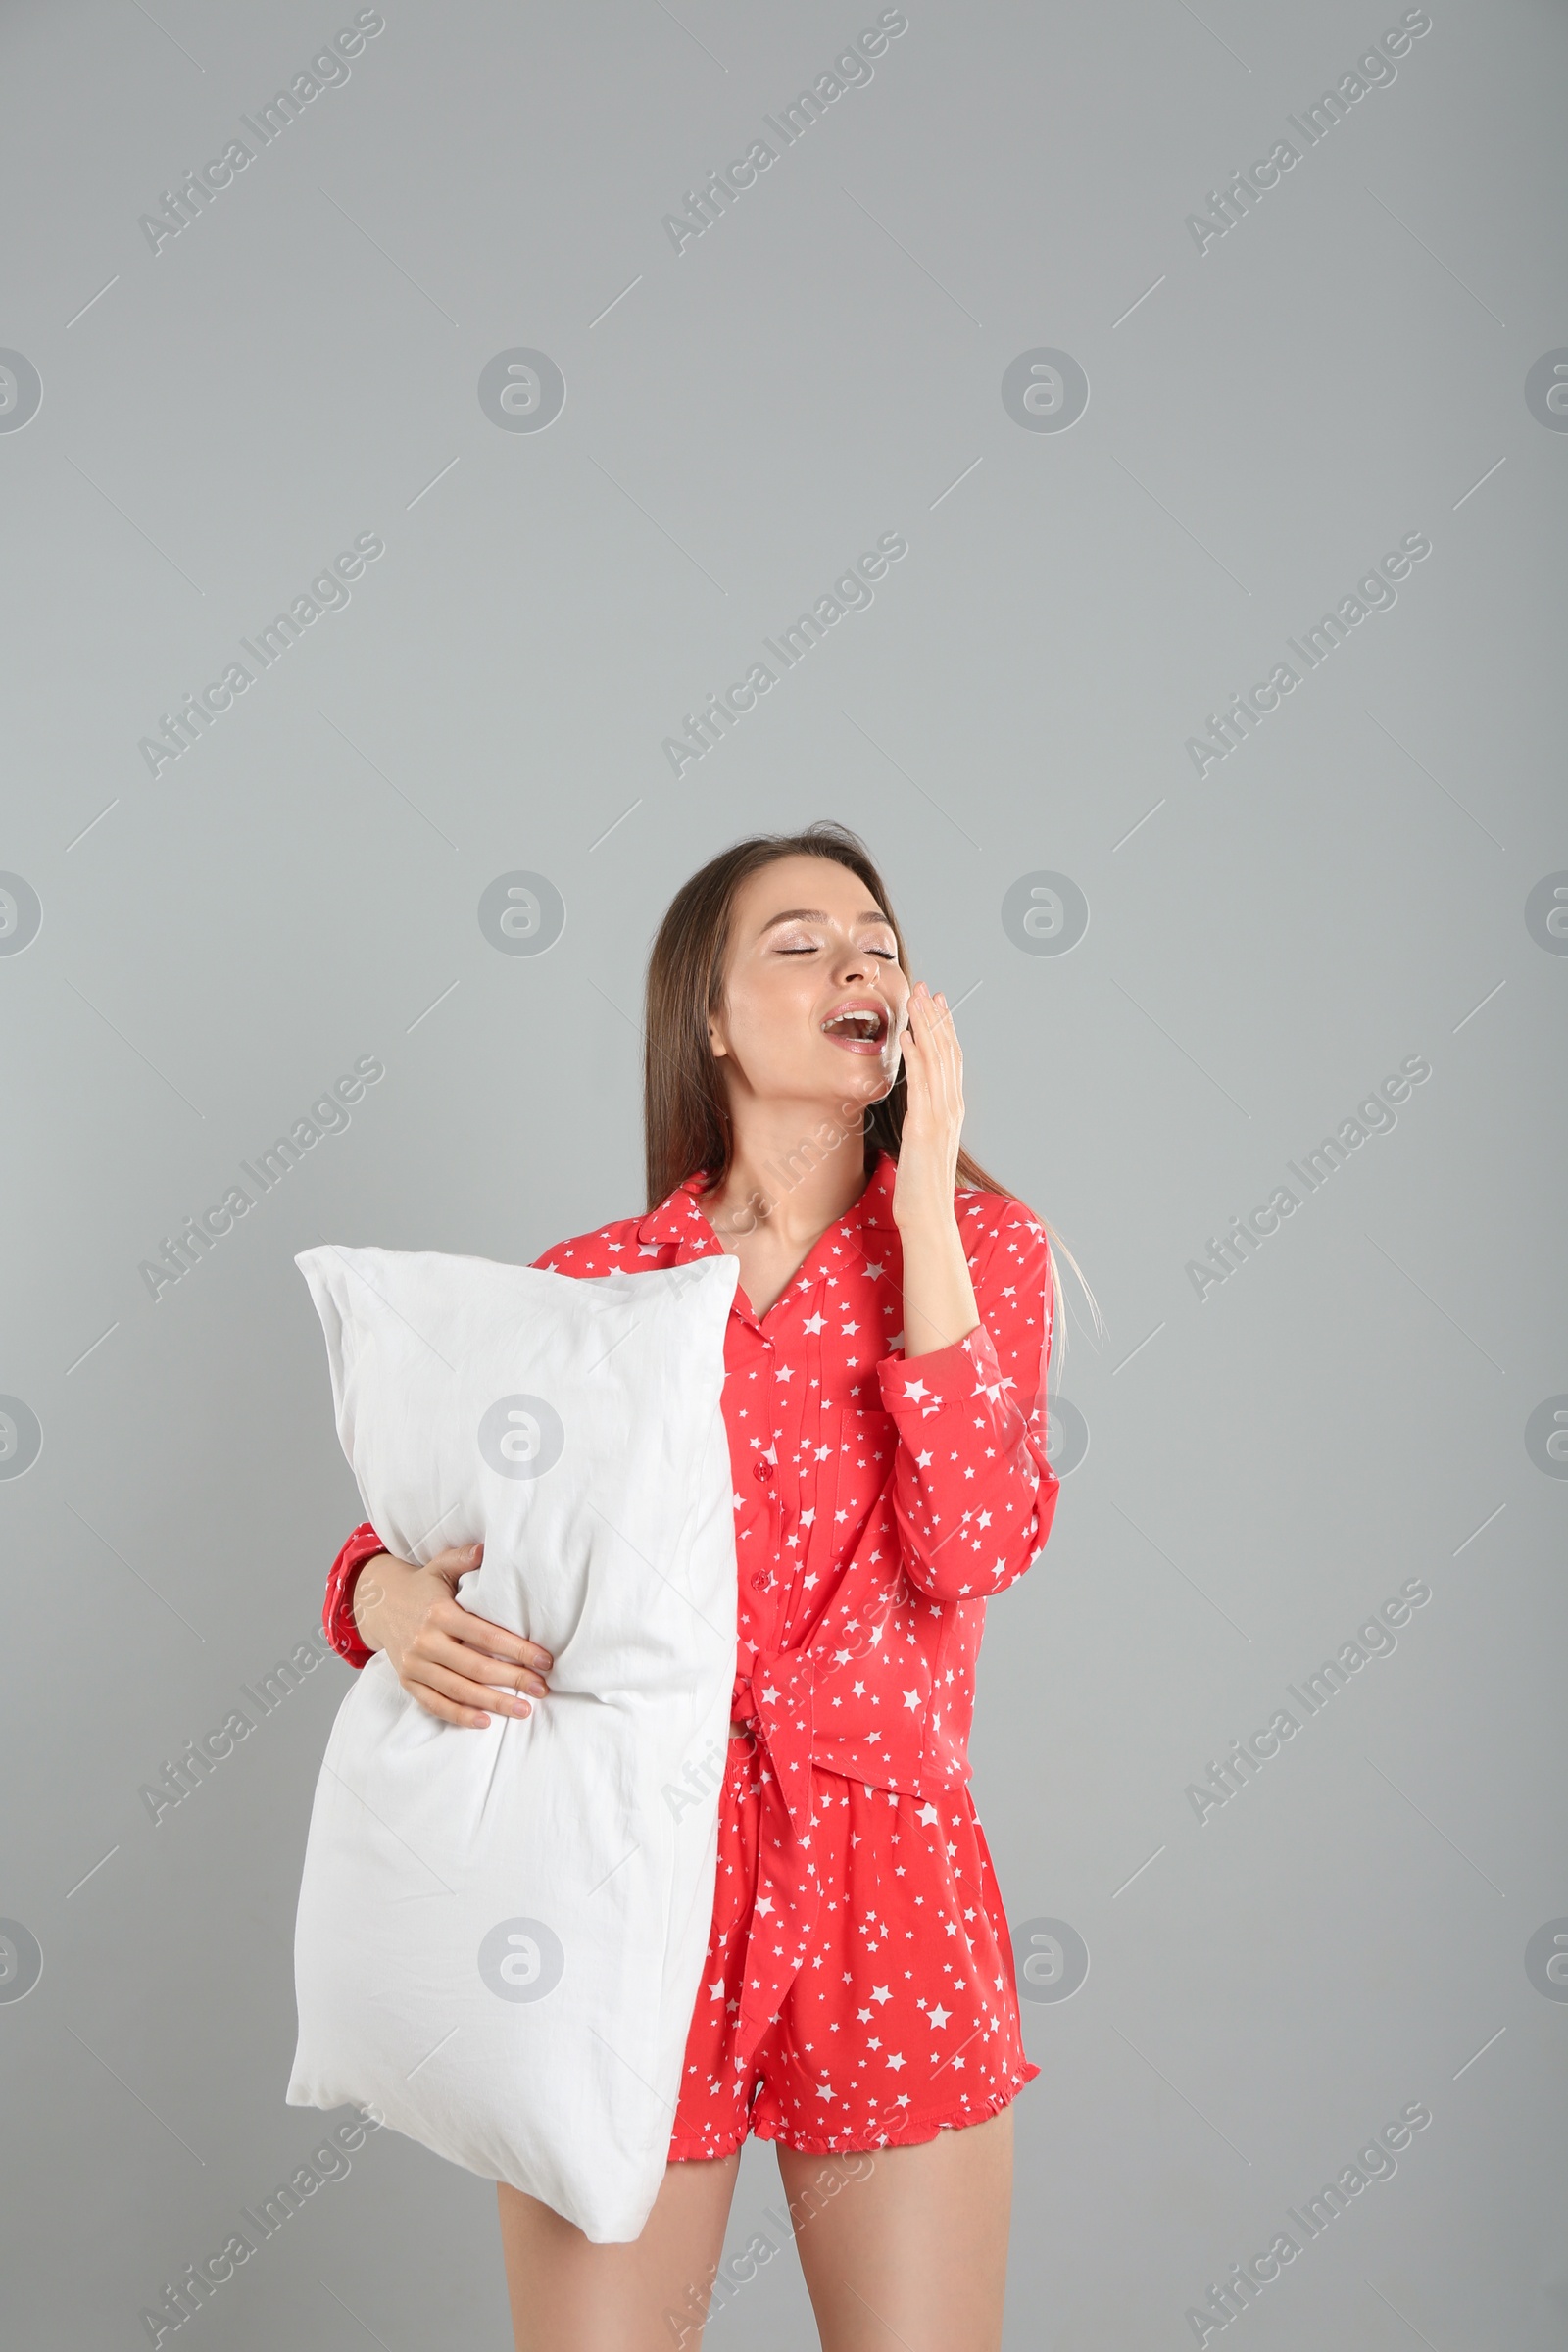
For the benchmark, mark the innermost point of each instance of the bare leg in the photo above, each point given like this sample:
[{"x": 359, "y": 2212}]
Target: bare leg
[
  {"x": 569, "y": 2295},
  {"x": 910, "y": 2252}
]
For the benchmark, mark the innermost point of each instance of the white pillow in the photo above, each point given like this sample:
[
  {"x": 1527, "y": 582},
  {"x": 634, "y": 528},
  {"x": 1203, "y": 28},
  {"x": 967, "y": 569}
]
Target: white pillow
[{"x": 501, "y": 1931}]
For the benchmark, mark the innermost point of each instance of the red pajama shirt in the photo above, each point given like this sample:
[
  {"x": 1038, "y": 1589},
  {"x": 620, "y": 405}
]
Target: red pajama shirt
[{"x": 860, "y": 1987}]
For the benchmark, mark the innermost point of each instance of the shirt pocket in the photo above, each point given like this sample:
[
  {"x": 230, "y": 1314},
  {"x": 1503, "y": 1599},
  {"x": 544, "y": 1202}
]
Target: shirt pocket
[{"x": 862, "y": 1445}]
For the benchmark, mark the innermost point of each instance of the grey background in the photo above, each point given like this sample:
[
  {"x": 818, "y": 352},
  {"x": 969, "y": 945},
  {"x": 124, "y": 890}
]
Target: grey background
[{"x": 1265, "y": 1466}]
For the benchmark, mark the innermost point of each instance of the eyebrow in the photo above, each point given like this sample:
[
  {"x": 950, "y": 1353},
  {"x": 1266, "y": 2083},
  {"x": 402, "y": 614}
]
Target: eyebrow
[{"x": 819, "y": 915}]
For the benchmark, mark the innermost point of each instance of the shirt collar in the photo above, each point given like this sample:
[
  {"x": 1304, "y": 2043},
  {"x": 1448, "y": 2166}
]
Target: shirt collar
[{"x": 678, "y": 1219}]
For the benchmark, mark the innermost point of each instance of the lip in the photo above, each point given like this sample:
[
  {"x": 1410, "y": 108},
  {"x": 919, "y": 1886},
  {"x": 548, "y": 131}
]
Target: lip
[{"x": 873, "y": 1046}]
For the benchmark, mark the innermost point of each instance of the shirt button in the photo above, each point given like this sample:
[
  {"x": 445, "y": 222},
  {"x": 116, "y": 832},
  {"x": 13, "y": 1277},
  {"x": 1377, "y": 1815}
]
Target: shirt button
[
  {"x": 762, "y": 1470},
  {"x": 759, "y": 1580}
]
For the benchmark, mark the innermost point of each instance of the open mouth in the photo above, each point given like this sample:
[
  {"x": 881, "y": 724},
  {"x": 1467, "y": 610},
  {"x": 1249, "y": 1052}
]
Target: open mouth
[{"x": 860, "y": 1028}]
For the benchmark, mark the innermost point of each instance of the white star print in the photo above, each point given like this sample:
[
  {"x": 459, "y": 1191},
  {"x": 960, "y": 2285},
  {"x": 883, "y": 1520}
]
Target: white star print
[{"x": 870, "y": 1543}]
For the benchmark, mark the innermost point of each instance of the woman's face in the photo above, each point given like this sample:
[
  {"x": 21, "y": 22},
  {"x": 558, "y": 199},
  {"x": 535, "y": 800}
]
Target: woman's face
[{"x": 813, "y": 997}]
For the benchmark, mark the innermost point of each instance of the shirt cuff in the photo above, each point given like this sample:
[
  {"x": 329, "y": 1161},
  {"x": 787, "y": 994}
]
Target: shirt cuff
[
  {"x": 913, "y": 1392},
  {"x": 337, "y": 1616}
]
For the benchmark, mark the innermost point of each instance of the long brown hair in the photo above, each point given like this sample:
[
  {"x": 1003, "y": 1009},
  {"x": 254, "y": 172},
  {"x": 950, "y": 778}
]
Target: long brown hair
[{"x": 686, "y": 1120}]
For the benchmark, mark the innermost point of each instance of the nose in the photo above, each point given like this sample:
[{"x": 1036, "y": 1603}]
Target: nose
[{"x": 858, "y": 967}]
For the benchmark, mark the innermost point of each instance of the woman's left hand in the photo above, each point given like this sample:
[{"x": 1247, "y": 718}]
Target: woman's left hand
[{"x": 933, "y": 1118}]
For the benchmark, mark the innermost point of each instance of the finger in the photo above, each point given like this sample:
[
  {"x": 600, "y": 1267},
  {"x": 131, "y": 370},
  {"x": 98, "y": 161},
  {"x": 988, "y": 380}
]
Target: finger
[
  {"x": 945, "y": 1021},
  {"x": 936, "y": 1022},
  {"x": 945, "y": 1036},
  {"x": 939, "y": 1020},
  {"x": 934, "y": 1042},
  {"x": 482, "y": 1633},
  {"x": 422, "y": 1675},
  {"x": 456, "y": 1561},
  {"x": 951, "y": 1058},
  {"x": 470, "y": 1719},
  {"x": 435, "y": 1648}
]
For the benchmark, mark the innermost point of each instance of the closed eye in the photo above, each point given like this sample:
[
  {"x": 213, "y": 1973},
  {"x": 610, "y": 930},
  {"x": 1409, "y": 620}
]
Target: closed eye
[{"x": 887, "y": 955}]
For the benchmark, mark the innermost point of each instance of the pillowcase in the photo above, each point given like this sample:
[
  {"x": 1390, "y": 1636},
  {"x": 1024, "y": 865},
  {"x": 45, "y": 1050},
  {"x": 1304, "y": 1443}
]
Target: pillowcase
[{"x": 501, "y": 1931}]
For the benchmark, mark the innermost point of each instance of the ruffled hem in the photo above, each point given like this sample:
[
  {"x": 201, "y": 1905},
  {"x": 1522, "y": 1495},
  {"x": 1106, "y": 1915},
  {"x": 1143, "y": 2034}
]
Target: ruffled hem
[{"x": 913, "y": 2132}]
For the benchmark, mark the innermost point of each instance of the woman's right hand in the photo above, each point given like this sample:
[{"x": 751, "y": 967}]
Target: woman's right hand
[{"x": 453, "y": 1663}]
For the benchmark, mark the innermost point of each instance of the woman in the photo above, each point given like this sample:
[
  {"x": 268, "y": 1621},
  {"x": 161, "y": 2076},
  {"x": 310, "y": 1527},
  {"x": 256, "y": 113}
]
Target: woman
[{"x": 885, "y": 1399}]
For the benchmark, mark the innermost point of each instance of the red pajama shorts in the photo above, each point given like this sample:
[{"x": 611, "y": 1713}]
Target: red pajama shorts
[{"x": 902, "y": 2020}]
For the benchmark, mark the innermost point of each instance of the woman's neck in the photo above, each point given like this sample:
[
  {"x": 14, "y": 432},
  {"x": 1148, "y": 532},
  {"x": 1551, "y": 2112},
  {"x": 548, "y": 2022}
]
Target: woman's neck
[{"x": 794, "y": 1173}]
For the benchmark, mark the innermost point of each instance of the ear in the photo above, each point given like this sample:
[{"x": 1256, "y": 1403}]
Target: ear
[{"x": 716, "y": 1044}]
